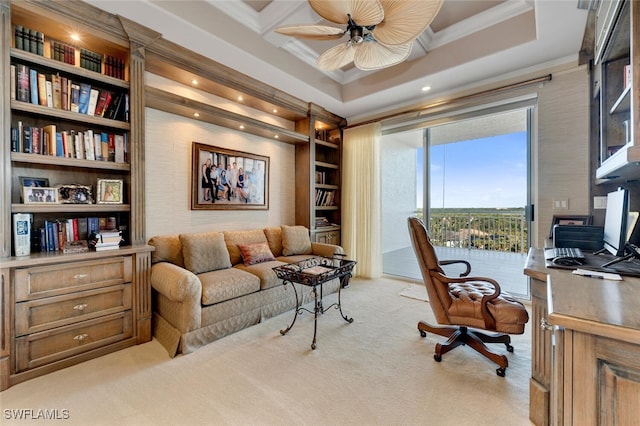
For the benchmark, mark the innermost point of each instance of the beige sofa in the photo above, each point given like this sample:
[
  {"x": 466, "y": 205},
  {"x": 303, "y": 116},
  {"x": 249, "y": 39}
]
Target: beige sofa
[{"x": 210, "y": 284}]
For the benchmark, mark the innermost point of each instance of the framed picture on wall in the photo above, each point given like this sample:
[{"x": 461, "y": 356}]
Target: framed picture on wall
[{"x": 224, "y": 179}]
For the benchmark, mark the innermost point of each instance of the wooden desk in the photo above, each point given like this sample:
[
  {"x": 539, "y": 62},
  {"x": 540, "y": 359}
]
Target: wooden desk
[{"x": 585, "y": 347}]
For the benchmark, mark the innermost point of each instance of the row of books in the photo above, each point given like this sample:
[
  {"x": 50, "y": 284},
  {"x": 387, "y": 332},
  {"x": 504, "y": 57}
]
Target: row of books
[
  {"x": 70, "y": 235},
  {"x": 33, "y": 41},
  {"x": 323, "y": 222},
  {"x": 56, "y": 91},
  {"x": 325, "y": 197},
  {"x": 28, "y": 40},
  {"x": 321, "y": 177},
  {"x": 84, "y": 145}
]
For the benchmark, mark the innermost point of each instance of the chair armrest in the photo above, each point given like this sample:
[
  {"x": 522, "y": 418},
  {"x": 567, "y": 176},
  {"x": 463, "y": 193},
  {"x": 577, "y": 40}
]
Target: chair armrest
[
  {"x": 326, "y": 250},
  {"x": 451, "y": 262},
  {"x": 489, "y": 321},
  {"x": 175, "y": 283}
]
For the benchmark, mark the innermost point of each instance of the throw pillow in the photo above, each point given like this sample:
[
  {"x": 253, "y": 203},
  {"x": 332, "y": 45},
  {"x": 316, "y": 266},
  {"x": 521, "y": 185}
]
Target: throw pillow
[
  {"x": 274, "y": 237},
  {"x": 233, "y": 238},
  {"x": 255, "y": 253},
  {"x": 204, "y": 252},
  {"x": 295, "y": 240}
]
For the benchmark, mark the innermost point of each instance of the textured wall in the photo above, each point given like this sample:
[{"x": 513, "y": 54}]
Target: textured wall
[{"x": 168, "y": 177}]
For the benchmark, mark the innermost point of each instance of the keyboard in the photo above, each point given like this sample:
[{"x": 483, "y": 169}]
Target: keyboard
[{"x": 563, "y": 252}]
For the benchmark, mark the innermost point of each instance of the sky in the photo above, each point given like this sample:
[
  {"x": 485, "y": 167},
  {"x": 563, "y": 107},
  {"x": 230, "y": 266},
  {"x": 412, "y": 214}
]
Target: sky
[{"x": 487, "y": 172}]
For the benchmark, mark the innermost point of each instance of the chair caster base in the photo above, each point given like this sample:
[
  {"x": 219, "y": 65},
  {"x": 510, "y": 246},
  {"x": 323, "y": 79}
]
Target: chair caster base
[
  {"x": 509, "y": 347},
  {"x": 437, "y": 357},
  {"x": 500, "y": 372}
]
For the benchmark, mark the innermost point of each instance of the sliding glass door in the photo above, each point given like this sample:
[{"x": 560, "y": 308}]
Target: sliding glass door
[{"x": 468, "y": 180}]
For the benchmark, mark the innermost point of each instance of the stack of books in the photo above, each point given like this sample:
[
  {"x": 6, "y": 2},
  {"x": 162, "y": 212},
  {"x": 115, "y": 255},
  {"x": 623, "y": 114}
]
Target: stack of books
[{"x": 106, "y": 240}]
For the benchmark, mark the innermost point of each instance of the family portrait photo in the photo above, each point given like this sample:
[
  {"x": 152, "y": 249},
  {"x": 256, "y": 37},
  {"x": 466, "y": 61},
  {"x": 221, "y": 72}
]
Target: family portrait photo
[{"x": 228, "y": 179}]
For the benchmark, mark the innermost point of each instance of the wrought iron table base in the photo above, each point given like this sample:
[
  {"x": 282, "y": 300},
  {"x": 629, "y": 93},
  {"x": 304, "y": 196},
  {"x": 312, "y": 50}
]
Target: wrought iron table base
[{"x": 318, "y": 308}]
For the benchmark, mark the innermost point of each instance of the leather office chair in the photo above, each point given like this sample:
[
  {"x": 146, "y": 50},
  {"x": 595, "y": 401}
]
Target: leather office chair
[{"x": 465, "y": 303}]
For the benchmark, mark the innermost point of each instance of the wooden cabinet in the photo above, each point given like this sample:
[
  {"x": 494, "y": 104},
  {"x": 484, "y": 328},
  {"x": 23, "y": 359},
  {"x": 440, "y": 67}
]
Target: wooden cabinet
[
  {"x": 318, "y": 175},
  {"x": 616, "y": 89},
  {"x": 586, "y": 356},
  {"x": 57, "y": 308}
]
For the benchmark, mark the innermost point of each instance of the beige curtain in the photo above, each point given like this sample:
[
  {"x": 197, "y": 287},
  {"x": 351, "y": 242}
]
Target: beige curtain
[{"x": 361, "y": 199}]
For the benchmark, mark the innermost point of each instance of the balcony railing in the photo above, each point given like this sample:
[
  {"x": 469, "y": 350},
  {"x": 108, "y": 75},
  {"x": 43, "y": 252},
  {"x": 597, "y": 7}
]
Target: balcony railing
[{"x": 505, "y": 232}]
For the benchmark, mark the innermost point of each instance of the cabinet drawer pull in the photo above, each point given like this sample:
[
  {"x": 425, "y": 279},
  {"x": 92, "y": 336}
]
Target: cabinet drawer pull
[
  {"x": 81, "y": 337},
  {"x": 544, "y": 324},
  {"x": 80, "y": 276},
  {"x": 81, "y": 307}
]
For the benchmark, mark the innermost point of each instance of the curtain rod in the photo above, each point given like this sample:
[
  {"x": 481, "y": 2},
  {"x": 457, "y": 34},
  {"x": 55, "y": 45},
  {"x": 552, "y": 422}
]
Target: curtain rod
[{"x": 461, "y": 98}]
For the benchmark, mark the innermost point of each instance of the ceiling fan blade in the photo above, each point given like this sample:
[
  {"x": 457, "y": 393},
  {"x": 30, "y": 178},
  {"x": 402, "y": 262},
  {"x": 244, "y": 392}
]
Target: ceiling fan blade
[
  {"x": 404, "y": 20},
  {"x": 372, "y": 56},
  {"x": 336, "y": 57},
  {"x": 313, "y": 32},
  {"x": 363, "y": 12}
]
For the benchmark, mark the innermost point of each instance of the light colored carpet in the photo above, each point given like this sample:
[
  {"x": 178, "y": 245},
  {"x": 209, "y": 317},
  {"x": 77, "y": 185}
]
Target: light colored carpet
[{"x": 375, "y": 371}]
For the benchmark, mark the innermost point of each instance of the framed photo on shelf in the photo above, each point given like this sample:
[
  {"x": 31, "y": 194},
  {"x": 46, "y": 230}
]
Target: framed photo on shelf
[
  {"x": 34, "y": 182},
  {"x": 39, "y": 195},
  {"x": 570, "y": 220},
  {"x": 224, "y": 179},
  {"x": 109, "y": 191},
  {"x": 74, "y": 194}
]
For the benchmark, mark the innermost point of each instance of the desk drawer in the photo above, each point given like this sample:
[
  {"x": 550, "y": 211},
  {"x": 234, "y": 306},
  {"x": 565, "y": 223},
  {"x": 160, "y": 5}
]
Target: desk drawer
[
  {"x": 64, "y": 278},
  {"x": 46, "y": 347},
  {"x": 42, "y": 314}
]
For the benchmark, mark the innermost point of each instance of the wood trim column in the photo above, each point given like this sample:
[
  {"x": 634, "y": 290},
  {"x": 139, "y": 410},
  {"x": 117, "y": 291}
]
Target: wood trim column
[{"x": 5, "y": 124}]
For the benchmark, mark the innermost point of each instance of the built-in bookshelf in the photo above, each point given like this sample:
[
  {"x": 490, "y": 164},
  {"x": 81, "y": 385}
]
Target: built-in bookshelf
[
  {"x": 319, "y": 164},
  {"x": 68, "y": 109}
]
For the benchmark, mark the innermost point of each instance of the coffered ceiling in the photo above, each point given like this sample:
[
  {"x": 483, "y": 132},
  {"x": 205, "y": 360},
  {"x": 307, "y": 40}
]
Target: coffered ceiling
[{"x": 469, "y": 41}]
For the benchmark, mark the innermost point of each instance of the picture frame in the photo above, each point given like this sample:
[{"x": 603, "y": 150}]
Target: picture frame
[
  {"x": 37, "y": 182},
  {"x": 570, "y": 220},
  {"x": 110, "y": 191},
  {"x": 39, "y": 195},
  {"x": 75, "y": 194},
  {"x": 249, "y": 192}
]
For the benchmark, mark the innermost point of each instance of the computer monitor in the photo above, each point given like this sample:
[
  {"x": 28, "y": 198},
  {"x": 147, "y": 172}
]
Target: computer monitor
[{"x": 615, "y": 222}]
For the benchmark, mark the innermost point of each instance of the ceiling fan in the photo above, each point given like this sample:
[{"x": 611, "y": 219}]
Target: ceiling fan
[{"x": 381, "y": 32}]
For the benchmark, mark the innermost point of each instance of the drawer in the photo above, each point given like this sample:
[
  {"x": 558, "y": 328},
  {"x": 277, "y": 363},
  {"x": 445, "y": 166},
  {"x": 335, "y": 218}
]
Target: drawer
[
  {"x": 64, "y": 278},
  {"x": 42, "y": 348},
  {"x": 42, "y": 314}
]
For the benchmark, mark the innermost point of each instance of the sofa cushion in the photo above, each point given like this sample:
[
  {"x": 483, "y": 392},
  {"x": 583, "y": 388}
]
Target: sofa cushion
[
  {"x": 274, "y": 237},
  {"x": 233, "y": 238},
  {"x": 226, "y": 284},
  {"x": 255, "y": 253},
  {"x": 264, "y": 271},
  {"x": 295, "y": 240},
  {"x": 204, "y": 252},
  {"x": 167, "y": 249}
]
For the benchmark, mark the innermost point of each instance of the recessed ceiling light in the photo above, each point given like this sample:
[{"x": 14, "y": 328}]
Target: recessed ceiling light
[
  {"x": 75, "y": 37},
  {"x": 195, "y": 114},
  {"x": 194, "y": 82},
  {"x": 275, "y": 111},
  {"x": 426, "y": 88},
  {"x": 240, "y": 98},
  {"x": 276, "y": 136},
  {"x": 241, "y": 126}
]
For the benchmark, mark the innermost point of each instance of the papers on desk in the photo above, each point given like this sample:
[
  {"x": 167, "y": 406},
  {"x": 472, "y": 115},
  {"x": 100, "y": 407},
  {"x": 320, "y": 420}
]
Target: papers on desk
[{"x": 598, "y": 275}]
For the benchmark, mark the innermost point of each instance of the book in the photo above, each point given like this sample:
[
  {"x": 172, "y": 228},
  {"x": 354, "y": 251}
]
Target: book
[
  {"x": 112, "y": 147},
  {"x": 104, "y": 144},
  {"x": 56, "y": 82},
  {"x": 49, "y": 90},
  {"x": 83, "y": 98},
  {"x": 89, "y": 153},
  {"x": 97, "y": 146},
  {"x": 50, "y": 131},
  {"x": 42, "y": 89},
  {"x": 22, "y": 233},
  {"x": 102, "y": 102},
  {"x": 93, "y": 225},
  {"x": 79, "y": 246},
  {"x": 93, "y": 101},
  {"x": 59, "y": 145},
  {"x": 64, "y": 93},
  {"x": 22, "y": 83},
  {"x": 103, "y": 248},
  {"x": 74, "y": 100},
  {"x": 119, "y": 148},
  {"x": 33, "y": 86}
]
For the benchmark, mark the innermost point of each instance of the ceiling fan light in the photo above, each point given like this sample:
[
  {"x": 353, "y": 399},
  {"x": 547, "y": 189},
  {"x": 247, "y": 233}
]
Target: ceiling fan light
[{"x": 356, "y": 35}]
